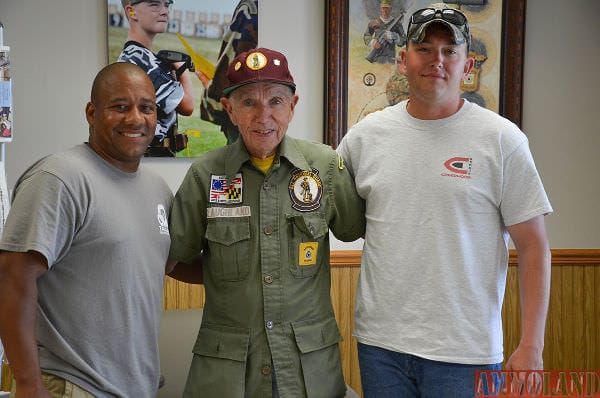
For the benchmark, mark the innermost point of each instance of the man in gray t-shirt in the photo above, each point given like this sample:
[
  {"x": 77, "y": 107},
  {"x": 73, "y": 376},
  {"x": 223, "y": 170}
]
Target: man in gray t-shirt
[{"x": 83, "y": 255}]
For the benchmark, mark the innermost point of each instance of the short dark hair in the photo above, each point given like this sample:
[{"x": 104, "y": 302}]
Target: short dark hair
[{"x": 107, "y": 72}]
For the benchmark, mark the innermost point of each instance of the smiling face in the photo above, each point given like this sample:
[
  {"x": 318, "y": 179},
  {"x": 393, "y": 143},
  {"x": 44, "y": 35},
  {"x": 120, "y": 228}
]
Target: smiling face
[
  {"x": 262, "y": 113},
  {"x": 434, "y": 69},
  {"x": 122, "y": 115}
]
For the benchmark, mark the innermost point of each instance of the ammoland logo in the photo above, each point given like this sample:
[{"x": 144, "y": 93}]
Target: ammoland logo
[{"x": 538, "y": 383}]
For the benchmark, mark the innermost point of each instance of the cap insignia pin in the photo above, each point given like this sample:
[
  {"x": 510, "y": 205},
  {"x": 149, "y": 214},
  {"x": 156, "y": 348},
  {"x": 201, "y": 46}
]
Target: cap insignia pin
[{"x": 256, "y": 61}]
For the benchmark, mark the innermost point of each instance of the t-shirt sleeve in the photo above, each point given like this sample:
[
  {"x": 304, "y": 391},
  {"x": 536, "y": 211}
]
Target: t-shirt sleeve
[
  {"x": 523, "y": 194},
  {"x": 42, "y": 218}
]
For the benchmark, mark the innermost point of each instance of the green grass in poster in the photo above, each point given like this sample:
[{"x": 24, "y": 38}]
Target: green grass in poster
[{"x": 202, "y": 135}]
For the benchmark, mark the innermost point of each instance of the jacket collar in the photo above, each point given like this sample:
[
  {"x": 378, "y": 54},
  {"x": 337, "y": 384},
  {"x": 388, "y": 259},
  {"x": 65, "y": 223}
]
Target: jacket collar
[{"x": 237, "y": 155}]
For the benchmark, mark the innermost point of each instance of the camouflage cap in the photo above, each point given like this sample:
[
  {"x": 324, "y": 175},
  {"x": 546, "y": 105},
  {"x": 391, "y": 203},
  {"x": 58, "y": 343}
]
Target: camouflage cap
[
  {"x": 258, "y": 65},
  {"x": 453, "y": 19},
  {"x": 386, "y": 3}
]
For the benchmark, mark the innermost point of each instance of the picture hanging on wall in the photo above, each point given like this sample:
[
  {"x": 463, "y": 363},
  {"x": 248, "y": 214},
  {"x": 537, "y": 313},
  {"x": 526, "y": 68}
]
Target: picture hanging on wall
[
  {"x": 200, "y": 38},
  {"x": 362, "y": 75}
]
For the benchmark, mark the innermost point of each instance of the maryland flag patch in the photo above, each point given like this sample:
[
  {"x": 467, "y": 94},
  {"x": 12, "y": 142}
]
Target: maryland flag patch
[{"x": 224, "y": 191}]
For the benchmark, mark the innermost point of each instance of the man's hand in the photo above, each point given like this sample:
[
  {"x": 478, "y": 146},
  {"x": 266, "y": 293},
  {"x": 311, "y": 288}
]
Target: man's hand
[
  {"x": 525, "y": 359},
  {"x": 37, "y": 391},
  {"x": 390, "y": 36}
]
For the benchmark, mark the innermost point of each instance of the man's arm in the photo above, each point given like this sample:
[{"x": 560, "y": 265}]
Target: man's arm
[
  {"x": 186, "y": 106},
  {"x": 349, "y": 221},
  {"x": 533, "y": 252},
  {"x": 18, "y": 305},
  {"x": 189, "y": 273}
]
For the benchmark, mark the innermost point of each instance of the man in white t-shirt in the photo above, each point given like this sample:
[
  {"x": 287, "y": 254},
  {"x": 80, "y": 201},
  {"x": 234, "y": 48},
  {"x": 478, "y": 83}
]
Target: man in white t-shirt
[{"x": 446, "y": 184}]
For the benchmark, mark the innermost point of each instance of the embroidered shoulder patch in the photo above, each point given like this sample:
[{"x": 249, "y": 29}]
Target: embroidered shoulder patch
[
  {"x": 224, "y": 191},
  {"x": 306, "y": 189}
]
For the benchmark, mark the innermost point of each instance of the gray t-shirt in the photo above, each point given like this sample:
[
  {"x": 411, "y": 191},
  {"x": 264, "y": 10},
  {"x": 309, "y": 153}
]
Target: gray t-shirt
[{"x": 105, "y": 236}]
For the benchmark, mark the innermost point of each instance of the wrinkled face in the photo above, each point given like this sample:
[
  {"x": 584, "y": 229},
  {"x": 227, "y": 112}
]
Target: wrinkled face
[
  {"x": 435, "y": 67},
  {"x": 262, "y": 113},
  {"x": 122, "y": 119}
]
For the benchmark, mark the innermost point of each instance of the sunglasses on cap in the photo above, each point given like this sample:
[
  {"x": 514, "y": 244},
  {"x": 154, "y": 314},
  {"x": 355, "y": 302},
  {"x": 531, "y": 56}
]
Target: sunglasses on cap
[
  {"x": 456, "y": 19},
  {"x": 450, "y": 15}
]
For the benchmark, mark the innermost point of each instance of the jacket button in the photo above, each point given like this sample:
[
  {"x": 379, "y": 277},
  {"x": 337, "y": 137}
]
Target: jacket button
[
  {"x": 268, "y": 279},
  {"x": 269, "y": 325},
  {"x": 268, "y": 230},
  {"x": 266, "y": 370}
]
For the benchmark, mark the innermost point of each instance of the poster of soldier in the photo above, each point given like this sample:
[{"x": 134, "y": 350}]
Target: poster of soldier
[{"x": 377, "y": 32}]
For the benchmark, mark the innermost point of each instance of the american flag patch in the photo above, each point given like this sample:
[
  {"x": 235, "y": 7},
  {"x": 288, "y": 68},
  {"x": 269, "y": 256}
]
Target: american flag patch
[{"x": 224, "y": 191}]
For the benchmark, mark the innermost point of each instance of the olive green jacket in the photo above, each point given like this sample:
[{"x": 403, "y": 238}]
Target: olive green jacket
[{"x": 265, "y": 245}]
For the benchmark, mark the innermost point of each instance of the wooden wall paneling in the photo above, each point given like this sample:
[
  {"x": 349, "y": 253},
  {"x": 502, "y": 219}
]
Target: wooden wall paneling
[
  {"x": 343, "y": 293},
  {"x": 592, "y": 284},
  {"x": 567, "y": 341},
  {"x": 554, "y": 324},
  {"x": 566, "y": 345},
  {"x": 576, "y": 311},
  {"x": 179, "y": 295}
]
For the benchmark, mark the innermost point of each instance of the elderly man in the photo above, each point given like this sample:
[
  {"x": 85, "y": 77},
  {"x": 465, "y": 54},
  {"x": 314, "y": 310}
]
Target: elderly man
[{"x": 259, "y": 212}]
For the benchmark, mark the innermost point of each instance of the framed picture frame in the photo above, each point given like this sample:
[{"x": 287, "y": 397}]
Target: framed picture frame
[
  {"x": 337, "y": 14},
  {"x": 203, "y": 31}
]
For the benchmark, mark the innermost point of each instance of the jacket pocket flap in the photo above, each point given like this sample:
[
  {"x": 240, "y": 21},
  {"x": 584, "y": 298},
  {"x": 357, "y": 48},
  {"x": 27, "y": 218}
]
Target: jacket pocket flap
[
  {"x": 223, "y": 342},
  {"x": 314, "y": 335},
  {"x": 228, "y": 232}
]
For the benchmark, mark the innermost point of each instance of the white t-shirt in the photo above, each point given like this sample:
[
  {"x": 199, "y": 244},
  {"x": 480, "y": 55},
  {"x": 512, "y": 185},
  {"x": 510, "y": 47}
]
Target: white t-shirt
[{"x": 439, "y": 195}]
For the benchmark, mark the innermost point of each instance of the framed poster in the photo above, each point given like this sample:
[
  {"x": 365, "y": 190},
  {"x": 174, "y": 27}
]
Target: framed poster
[
  {"x": 205, "y": 31},
  {"x": 357, "y": 83}
]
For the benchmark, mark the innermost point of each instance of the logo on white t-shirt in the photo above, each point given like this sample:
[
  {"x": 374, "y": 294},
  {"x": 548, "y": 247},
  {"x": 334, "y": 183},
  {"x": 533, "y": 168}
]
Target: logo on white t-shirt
[
  {"x": 459, "y": 166},
  {"x": 163, "y": 221}
]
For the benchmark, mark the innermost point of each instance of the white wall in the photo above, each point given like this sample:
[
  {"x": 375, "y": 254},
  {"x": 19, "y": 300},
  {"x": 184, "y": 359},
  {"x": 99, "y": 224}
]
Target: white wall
[
  {"x": 58, "y": 46},
  {"x": 55, "y": 53},
  {"x": 561, "y": 86}
]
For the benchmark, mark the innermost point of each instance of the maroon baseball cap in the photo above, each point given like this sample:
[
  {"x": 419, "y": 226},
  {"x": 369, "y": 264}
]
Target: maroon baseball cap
[{"x": 258, "y": 65}]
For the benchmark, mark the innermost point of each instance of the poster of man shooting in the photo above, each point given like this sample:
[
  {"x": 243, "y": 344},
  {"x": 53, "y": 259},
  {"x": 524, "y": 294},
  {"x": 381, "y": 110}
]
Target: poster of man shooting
[{"x": 203, "y": 35}]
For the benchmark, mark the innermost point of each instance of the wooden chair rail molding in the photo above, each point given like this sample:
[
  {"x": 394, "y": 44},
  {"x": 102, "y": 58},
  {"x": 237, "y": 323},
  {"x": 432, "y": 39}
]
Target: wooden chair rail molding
[{"x": 572, "y": 330}]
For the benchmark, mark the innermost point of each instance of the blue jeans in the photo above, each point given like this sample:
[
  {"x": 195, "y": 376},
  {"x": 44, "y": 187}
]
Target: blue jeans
[{"x": 390, "y": 374}]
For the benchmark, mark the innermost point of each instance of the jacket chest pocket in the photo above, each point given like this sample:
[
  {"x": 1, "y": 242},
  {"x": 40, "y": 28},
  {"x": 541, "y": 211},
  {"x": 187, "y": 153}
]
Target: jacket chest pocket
[
  {"x": 229, "y": 245},
  {"x": 308, "y": 234}
]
